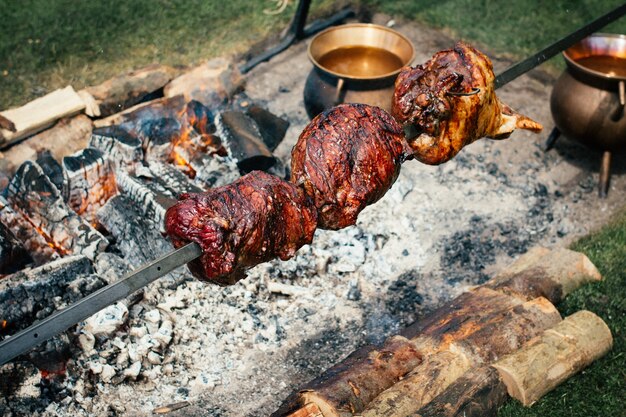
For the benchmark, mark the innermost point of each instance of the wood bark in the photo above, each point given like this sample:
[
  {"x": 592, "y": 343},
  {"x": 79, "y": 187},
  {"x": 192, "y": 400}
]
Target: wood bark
[
  {"x": 477, "y": 393},
  {"x": 462, "y": 316},
  {"x": 506, "y": 332},
  {"x": 126, "y": 90},
  {"x": 40, "y": 114},
  {"x": 421, "y": 385},
  {"x": 557, "y": 354},
  {"x": 347, "y": 387},
  {"x": 511, "y": 329},
  {"x": 309, "y": 410},
  {"x": 545, "y": 273}
]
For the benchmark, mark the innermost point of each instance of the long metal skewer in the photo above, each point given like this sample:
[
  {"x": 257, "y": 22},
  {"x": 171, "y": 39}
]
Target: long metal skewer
[{"x": 62, "y": 320}]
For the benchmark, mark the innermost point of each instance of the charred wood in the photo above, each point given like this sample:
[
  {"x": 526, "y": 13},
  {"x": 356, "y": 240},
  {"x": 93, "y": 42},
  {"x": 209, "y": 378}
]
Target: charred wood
[
  {"x": 31, "y": 194},
  {"x": 271, "y": 127},
  {"x": 90, "y": 182},
  {"x": 35, "y": 293},
  {"x": 54, "y": 171},
  {"x": 13, "y": 255},
  {"x": 122, "y": 148},
  {"x": 148, "y": 200},
  {"x": 477, "y": 393},
  {"x": 35, "y": 244},
  {"x": 172, "y": 180},
  {"x": 244, "y": 142}
]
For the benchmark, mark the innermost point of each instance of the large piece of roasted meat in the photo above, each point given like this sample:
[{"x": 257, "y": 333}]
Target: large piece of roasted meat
[{"x": 450, "y": 100}]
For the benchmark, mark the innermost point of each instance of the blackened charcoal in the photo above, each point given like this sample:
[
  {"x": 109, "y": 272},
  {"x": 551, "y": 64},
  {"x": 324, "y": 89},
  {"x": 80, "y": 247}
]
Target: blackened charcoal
[
  {"x": 35, "y": 293},
  {"x": 122, "y": 148},
  {"x": 53, "y": 171},
  {"x": 200, "y": 117},
  {"x": 149, "y": 198},
  {"x": 13, "y": 255},
  {"x": 271, "y": 127},
  {"x": 244, "y": 142},
  {"x": 172, "y": 179}
]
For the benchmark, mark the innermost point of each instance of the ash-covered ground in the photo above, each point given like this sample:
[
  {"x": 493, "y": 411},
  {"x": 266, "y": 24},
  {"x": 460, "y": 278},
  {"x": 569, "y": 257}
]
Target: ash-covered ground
[{"x": 239, "y": 351}]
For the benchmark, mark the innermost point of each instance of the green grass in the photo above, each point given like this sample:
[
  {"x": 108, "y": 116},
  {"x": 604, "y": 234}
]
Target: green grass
[
  {"x": 517, "y": 28},
  {"x": 600, "y": 390},
  {"x": 47, "y": 44}
]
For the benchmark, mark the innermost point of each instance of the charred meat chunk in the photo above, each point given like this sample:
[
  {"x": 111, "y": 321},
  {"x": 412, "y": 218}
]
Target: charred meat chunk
[
  {"x": 346, "y": 158},
  {"x": 253, "y": 220},
  {"x": 450, "y": 101}
]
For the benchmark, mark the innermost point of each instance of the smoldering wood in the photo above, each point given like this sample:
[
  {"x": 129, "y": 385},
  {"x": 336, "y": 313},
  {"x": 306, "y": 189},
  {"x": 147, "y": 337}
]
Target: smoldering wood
[
  {"x": 40, "y": 114},
  {"x": 214, "y": 171},
  {"x": 34, "y": 196},
  {"x": 421, "y": 385},
  {"x": 126, "y": 90},
  {"x": 349, "y": 386},
  {"x": 119, "y": 146},
  {"x": 54, "y": 171},
  {"x": 35, "y": 293},
  {"x": 13, "y": 255},
  {"x": 34, "y": 243},
  {"x": 548, "y": 273},
  {"x": 136, "y": 236},
  {"x": 159, "y": 137},
  {"x": 90, "y": 182},
  {"x": 271, "y": 127},
  {"x": 149, "y": 201},
  {"x": 172, "y": 179},
  {"x": 477, "y": 393},
  {"x": 557, "y": 354},
  {"x": 244, "y": 142},
  {"x": 510, "y": 330}
]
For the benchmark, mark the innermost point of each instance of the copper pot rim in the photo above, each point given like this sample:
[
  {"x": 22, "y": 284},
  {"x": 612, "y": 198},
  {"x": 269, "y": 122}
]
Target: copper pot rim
[
  {"x": 570, "y": 61},
  {"x": 348, "y": 77}
]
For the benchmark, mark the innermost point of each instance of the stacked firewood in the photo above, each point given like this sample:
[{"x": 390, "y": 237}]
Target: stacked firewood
[{"x": 502, "y": 337}]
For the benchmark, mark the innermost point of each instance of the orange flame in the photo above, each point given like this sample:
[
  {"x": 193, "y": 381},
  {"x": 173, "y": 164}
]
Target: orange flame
[{"x": 4, "y": 324}]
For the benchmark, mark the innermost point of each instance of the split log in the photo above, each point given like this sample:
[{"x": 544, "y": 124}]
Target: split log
[
  {"x": 557, "y": 354},
  {"x": 545, "y": 273},
  {"x": 211, "y": 83},
  {"x": 272, "y": 127},
  {"x": 69, "y": 135},
  {"x": 421, "y": 385},
  {"x": 124, "y": 91},
  {"x": 40, "y": 114},
  {"x": 347, "y": 387},
  {"x": 505, "y": 333},
  {"x": 477, "y": 393}
]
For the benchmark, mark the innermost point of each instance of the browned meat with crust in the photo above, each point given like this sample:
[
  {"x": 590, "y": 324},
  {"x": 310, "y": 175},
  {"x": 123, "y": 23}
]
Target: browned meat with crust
[
  {"x": 346, "y": 158},
  {"x": 451, "y": 101},
  {"x": 255, "y": 219}
]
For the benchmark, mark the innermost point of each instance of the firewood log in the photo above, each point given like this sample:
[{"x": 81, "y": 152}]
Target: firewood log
[
  {"x": 126, "y": 90},
  {"x": 477, "y": 393},
  {"x": 420, "y": 385},
  {"x": 545, "y": 273},
  {"x": 40, "y": 113},
  {"x": 557, "y": 354},
  {"x": 347, "y": 387},
  {"x": 309, "y": 410},
  {"x": 507, "y": 332}
]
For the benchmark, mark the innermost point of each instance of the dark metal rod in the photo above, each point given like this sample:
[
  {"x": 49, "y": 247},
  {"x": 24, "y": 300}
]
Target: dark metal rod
[
  {"x": 62, "y": 320},
  {"x": 540, "y": 57}
]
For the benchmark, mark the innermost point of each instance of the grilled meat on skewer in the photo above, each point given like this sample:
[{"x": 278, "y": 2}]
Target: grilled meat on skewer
[
  {"x": 346, "y": 158},
  {"x": 451, "y": 102},
  {"x": 255, "y": 219}
]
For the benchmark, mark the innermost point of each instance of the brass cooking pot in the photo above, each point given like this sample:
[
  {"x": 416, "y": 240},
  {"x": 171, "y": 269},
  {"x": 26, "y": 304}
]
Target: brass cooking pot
[
  {"x": 588, "y": 105},
  {"x": 325, "y": 88}
]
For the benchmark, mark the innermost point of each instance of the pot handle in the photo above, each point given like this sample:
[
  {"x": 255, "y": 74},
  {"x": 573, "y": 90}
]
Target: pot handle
[
  {"x": 619, "y": 112},
  {"x": 339, "y": 91}
]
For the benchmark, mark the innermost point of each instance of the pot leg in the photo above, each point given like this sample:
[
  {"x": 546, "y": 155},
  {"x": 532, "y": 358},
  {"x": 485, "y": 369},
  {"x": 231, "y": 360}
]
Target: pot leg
[
  {"x": 605, "y": 175},
  {"x": 554, "y": 135}
]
